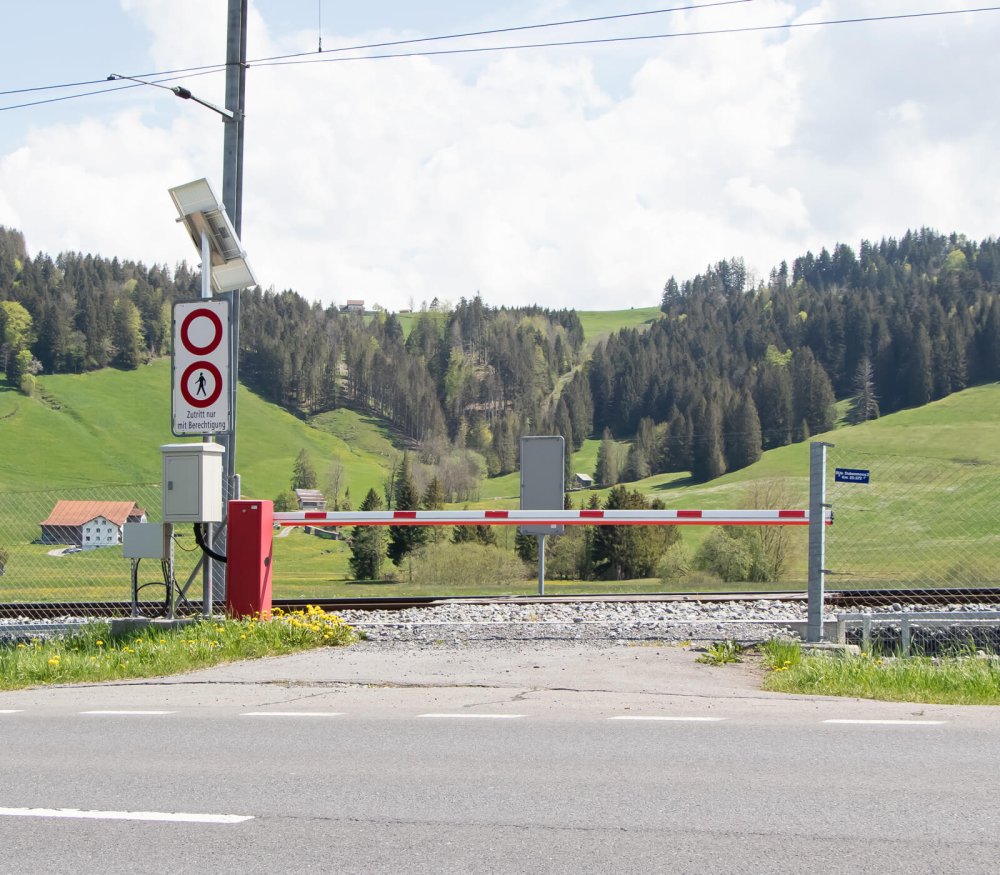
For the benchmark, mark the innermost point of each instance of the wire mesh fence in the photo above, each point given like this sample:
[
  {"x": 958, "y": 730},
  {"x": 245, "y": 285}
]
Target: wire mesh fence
[
  {"x": 916, "y": 524},
  {"x": 912, "y": 523},
  {"x": 64, "y": 546}
]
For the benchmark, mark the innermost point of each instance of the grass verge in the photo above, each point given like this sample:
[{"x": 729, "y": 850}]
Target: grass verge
[
  {"x": 90, "y": 654},
  {"x": 948, "y": 680}
]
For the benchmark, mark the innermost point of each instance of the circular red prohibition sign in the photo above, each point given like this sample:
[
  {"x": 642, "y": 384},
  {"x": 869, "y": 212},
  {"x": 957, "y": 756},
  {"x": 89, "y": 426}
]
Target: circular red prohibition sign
[
  {"x": 208, "y": 400},
  {"x": 186, "y": 326}
]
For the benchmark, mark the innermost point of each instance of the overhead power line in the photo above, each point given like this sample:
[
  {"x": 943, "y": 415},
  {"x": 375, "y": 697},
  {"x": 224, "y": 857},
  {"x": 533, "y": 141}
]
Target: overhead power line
[
  {"x": 197, "y": 71},
  {"x": 311, "y": 57},
  {"x": 500, "y": 30},
  {"x": 384, "y": 45},
  {"x": 106, "y": 90},
  {"x": 759, "y": 28}
]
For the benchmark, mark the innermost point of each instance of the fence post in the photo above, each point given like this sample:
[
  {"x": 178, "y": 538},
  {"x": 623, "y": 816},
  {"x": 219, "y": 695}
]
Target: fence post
[
  {"x": 541, "y": 564},
  {"x": 817, "y": 538}
]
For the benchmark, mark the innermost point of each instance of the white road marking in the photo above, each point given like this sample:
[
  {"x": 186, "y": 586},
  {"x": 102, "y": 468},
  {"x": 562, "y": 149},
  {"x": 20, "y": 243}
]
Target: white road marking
[
  {"x": 890, "y": 722},
  {"x": 292, "y": 714},
  {"x": 475, "y": 716},
  {"x": 127, "y": 713},
  {"x": 161, "y": 816},
  {"x": 11, "y": 710},
  {"x": 669, "y": 719}
]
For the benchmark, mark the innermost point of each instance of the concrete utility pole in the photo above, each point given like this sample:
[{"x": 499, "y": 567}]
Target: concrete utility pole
[{"x": 232, "y": 200}]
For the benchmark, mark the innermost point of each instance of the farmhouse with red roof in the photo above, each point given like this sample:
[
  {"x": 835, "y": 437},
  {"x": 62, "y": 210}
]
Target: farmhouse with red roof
[{"x": 90, "y": 524}]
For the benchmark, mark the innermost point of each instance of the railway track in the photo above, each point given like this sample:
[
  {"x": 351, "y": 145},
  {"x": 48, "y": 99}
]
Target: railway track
[{"x": 859, "y": 598}]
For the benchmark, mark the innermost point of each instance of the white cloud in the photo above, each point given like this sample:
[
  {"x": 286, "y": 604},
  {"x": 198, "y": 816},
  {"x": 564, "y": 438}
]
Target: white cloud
[{"x": 521, "y": 175}]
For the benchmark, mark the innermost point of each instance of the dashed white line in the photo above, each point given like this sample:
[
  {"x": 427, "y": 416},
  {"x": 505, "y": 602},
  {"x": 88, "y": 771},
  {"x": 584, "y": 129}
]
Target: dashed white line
[
  {"x": 161, "y": 816},
  {"x": 127, "y": 713},
  {"x": 292, "y": 714},
  {"x": 11, "y": 710},
  {"x": 475, "y": 716},
  {"x": 668, "y": 719},
  {"x": 889, "y": 722}
]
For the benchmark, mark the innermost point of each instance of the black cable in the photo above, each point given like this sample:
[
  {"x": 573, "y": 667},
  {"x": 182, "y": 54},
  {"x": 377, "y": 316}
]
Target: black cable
[
  {"x": 289, "y": 60},
  {"x": 218, "y": 68},
  {"x": 210, "y": 68},
  {"x": 761, "y": 28},
  {"x": 499, "y": 30},
  {"x": 208, "y": 551},
  {"x": 104, "y": 90}
]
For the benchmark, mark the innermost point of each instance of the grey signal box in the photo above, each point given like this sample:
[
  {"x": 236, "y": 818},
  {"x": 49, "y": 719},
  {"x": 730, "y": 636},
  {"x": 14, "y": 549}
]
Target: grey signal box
[
  {"x": 192, "y": 483},
  {"x": 543, "y": 480}
]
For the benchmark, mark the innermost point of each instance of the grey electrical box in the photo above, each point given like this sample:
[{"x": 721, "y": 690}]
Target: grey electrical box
[
  {"x": 543, "y": 480},
  {"x": 192, "y": 483},
  {"x": 144, "y": 541}
]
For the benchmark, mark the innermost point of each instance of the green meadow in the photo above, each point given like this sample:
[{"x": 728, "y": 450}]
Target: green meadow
[{"x": 928, "y": 516}]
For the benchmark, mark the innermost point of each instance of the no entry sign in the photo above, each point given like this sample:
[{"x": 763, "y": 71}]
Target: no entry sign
[{"x": 201, "y": 368}]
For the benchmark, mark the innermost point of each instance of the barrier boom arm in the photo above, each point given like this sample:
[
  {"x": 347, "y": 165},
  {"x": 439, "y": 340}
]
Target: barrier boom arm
[{"x": 548, "y": 517}]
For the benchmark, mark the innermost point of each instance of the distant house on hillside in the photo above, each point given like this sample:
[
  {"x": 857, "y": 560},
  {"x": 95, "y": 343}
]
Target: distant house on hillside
[
  {"x": 582, "y": 481},
  {"x": 310, "y": 499},
  {"x": 354, "y": 305},
  {"x": 90, "y": 524}
]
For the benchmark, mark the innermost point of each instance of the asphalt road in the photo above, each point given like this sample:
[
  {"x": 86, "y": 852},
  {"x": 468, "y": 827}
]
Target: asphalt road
[{"x": 563, "y": 761}]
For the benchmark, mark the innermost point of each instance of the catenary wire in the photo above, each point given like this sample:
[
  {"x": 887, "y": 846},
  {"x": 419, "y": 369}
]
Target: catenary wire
[
  {"x": 220, "y": 67},
  {"x": 107, "y": 90},
  {"x": 308, "y": 59},
  {"x": 759, "y": 28},
  {"x": 501, "y": 30},
  {"x": 195, "y": 71}
]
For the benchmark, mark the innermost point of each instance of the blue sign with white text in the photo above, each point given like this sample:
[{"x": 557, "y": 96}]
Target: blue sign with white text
[{"x": 851, "y": 475}]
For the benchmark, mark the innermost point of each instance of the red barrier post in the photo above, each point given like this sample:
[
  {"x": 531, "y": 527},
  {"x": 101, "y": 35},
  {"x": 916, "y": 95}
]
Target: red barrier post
[{"x": 248, "y": 554}]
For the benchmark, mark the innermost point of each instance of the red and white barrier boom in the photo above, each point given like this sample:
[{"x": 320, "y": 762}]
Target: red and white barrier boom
[{"x": 548, "y": 517}]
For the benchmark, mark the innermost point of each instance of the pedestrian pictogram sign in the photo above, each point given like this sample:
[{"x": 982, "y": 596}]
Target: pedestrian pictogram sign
[{"x": 201, "y": 368}]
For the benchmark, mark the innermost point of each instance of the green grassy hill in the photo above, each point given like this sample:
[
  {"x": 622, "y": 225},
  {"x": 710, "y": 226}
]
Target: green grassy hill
[
  {"x": 95, "y": 430},
  {"x": 107, "y": 427}
]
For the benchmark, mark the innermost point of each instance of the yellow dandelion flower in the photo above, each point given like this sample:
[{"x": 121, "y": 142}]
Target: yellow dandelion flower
[
  {"x": 99, "y": 642},
  {"x": 54, "y": 660}
]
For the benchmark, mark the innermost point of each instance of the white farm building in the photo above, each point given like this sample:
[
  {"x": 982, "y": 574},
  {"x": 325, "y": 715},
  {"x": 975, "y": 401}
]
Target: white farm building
[{"x": 90, "y": 524}]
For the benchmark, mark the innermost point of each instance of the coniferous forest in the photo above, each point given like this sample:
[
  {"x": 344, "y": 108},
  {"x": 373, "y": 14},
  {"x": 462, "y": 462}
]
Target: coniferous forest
[{"x": 736, "y": 365}]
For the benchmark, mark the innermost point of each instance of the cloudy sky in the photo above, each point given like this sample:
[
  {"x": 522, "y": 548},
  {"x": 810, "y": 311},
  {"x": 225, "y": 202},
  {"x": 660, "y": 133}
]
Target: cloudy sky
[{"x": 578, "y": 176}]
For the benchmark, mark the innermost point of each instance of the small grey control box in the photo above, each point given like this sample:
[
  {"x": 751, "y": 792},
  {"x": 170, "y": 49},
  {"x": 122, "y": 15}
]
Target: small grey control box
[
  {"x": 144, "y": 541},
  {"x": 192, "y": 483}
]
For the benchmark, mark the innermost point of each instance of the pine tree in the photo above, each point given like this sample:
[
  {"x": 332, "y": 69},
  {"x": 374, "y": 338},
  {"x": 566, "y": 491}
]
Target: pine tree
[
  {"x": 564, "y": 427},
  {"x": 626, "y": 552},
  {"x": 403, "y": 540},
  {"x": 707, "y": 458},
  {"x": 773, "y": 397},
  {"x": 864, "y": 404},
  {"x": 919, "y": 381},
  {"x": 639, "y": 463},
  {"x": 368, "y": 544},
  {"x": 433, "y": 499},
  {"x": 607, "y": 471},
  {"x": 743, "y": 440},
  {"x": 526, "y": 546},
  {"x": 303, "y": 472}
]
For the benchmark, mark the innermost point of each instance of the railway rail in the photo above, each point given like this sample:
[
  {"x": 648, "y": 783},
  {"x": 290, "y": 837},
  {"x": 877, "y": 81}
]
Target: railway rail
[{"x": 854, "y": 598}]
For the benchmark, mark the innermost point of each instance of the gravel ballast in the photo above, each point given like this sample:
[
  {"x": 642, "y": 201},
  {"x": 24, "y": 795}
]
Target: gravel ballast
[
  {"x": 579, "y": 622},
  {"x": 583, "y": 622}
]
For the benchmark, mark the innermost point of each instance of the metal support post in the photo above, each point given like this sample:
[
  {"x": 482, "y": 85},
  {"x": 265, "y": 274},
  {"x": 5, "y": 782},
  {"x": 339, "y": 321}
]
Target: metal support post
[
  {"x": 168, "y": 530},
  {"x": 232, "y": 199},
  {"x": 817, "y": 539},
  {"x": 206, "y": 568},
  {"x": 541, "y": 564}
]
